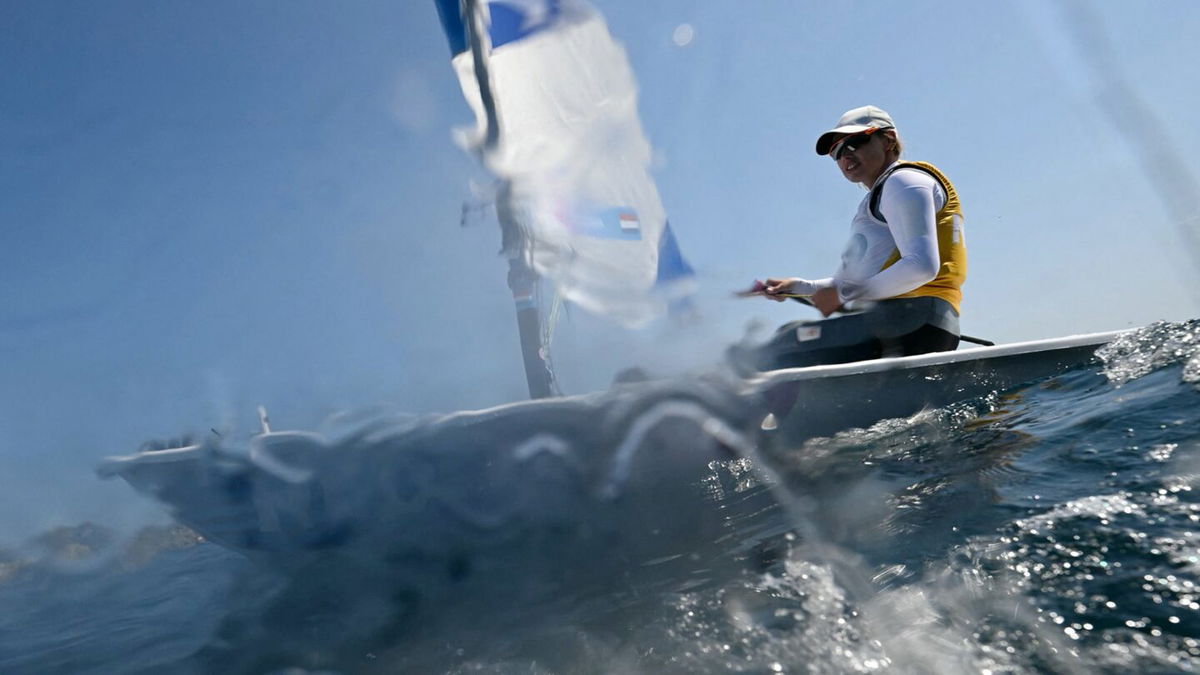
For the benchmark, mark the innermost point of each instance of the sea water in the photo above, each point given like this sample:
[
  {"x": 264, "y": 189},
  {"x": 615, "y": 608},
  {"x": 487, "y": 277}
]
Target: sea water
[{"x": 1051, "y": 528}]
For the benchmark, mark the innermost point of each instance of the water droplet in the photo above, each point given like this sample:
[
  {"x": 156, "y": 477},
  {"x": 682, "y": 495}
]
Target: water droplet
[{"x": 684, "y": 34}]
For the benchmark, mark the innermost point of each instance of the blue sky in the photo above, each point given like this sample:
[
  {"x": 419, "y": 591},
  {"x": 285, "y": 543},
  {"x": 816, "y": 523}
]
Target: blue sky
[{"x": 208, "y": 206}]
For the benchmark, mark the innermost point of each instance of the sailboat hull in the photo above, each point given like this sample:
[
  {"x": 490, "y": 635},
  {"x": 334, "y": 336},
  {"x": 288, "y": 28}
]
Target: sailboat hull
[
  {"x": 543, "y": 482},
  {"x": 822, "y": 400}
]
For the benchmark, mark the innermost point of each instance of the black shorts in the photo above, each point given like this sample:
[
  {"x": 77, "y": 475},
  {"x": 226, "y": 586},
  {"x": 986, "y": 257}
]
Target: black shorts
[{"x": 902, "y": 327}]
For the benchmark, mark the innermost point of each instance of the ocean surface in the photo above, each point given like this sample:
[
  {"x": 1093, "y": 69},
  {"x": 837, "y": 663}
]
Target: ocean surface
[{"x": 1050, "y": 528}]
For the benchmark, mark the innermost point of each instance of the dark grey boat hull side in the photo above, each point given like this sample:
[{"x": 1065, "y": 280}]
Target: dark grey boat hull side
[{"x": 824, "y": 400}]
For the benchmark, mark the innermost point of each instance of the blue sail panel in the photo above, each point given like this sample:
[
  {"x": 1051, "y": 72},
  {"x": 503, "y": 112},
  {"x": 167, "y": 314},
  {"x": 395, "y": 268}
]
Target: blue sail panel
[
  {"x": 450, "y": 12},
  {"x": 672, "y": 267},
  {"x": 507, "y": 21},
  {"x": 513, "y": 20}
]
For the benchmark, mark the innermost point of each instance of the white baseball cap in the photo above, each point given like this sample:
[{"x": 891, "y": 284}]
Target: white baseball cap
[{"x": 852, "y": 122}]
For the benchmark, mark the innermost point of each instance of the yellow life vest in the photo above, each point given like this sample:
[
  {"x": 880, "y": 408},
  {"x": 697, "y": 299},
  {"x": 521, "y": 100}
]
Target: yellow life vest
[{"x": 952, "y": 245}]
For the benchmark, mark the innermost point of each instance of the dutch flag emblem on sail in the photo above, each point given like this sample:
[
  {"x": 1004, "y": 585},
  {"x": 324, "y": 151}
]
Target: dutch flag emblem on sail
[{"x": 629, "y": 222}]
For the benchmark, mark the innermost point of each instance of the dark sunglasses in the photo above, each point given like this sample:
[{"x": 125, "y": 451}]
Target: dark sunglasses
[{"x": 851, "y": 143}]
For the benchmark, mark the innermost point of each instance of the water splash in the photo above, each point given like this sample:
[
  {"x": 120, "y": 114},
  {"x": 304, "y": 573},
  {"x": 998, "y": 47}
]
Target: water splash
[{"x": 1143, "y": 351}]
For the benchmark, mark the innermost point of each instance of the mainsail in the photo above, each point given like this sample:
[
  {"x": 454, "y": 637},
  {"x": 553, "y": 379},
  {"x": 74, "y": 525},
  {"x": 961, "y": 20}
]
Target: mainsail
[{"x": 556, "y": 121}]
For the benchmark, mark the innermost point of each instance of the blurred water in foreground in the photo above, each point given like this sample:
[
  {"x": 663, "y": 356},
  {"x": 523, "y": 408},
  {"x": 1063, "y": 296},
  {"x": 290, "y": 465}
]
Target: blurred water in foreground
[{"x": 1050, "y": 528}]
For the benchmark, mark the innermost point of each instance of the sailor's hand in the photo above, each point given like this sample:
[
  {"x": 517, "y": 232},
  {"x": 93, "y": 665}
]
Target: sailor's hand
[
  {"x": 826, "y": 300},
  {"x": 779, "y": 289}
]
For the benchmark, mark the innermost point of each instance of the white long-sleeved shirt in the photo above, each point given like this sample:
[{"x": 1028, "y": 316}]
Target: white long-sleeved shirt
[{"x": 909, "y": 201}]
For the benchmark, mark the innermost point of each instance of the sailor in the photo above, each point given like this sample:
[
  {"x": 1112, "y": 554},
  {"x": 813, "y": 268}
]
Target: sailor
[{"x": 898, "y": 285}]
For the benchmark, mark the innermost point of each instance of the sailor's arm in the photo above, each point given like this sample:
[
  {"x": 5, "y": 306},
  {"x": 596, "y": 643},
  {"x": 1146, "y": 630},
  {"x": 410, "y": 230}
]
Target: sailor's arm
[{"x": 784, "y": 287}]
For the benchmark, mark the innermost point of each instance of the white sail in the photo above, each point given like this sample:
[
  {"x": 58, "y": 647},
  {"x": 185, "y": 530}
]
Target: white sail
[{"x": 564, "y": 135}]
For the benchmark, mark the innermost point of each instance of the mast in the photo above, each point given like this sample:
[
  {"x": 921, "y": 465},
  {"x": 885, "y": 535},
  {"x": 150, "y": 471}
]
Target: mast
[{"x": 522, "y": 279}]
